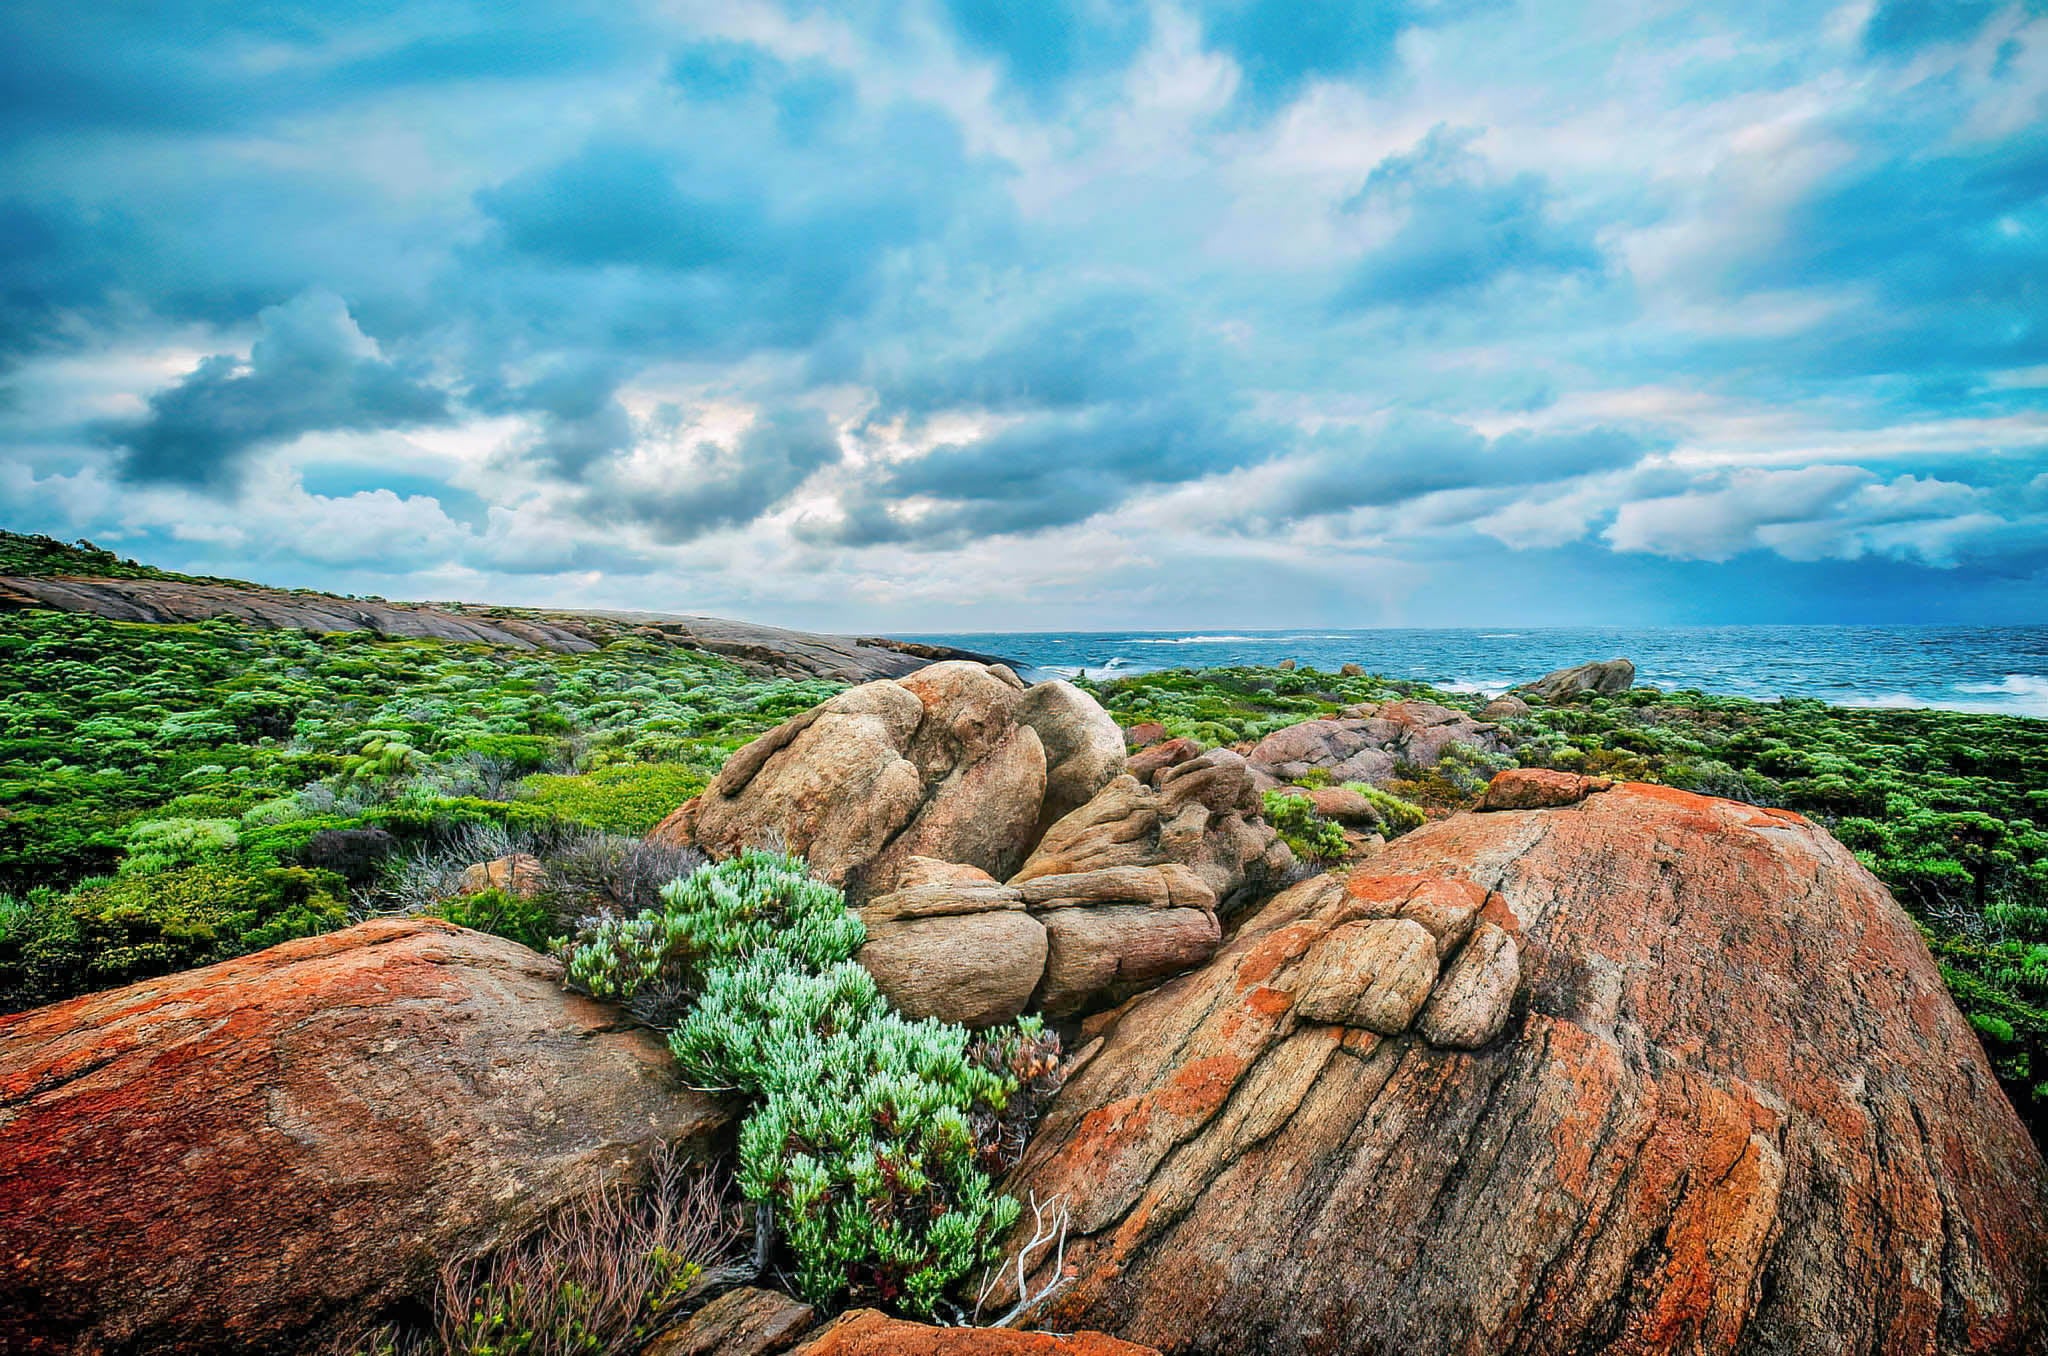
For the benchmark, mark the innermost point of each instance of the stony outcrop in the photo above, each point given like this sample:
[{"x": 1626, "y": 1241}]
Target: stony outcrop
[
  {"x": 1367, "y": 742},
  {"x": 866, "y": 1332},
  {"x": 1084, "y": 746},
  {"x": 1604, "y": 676},
  {"x": 1686, "y": 1080},
  {"x": 766, "y": 648},
  {"x": 1507, "y": 706},
  {"x": 748, "y": 1321},
  {"x": 1538, "y": 788},
  {"x": 520, "y": 873},
  {"x": 939, "y": 764},
  {"x": 223, "y": 1160}
]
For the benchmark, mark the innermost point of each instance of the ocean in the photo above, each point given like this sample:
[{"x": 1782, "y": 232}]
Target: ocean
[{"x": 1997, "y": 669}]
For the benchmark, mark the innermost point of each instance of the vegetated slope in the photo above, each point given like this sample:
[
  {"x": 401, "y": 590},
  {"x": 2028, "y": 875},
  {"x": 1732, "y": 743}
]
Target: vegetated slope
[
  {"x": 40, "y": 572},
  {"x": 1950, "y": 810}
]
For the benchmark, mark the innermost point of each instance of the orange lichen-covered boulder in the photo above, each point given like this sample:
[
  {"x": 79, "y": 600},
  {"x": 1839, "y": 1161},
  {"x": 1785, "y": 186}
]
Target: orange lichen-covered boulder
[
  {"x": 234, "y": 1158},
  {"x": 1538, "y": 788},
  {"x": 866, "y": 1332},
  {"x": 1687, "y": 1081}
]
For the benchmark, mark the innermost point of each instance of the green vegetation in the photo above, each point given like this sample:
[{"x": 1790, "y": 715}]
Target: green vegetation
[
  {"x": 38, "y": 555},
  {"x": 872, "y": 1137},
  {"x": 1950, "y": 810},
  {"x": 1312, "y": 837},
  {"x": 174, "y": 795}
]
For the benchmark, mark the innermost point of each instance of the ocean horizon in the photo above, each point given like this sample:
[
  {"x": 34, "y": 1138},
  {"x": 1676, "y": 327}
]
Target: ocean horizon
[{"x": 1998, "y": 670}]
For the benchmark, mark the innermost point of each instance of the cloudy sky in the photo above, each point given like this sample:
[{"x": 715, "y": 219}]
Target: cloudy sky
[{"x": 978, "y": 314}]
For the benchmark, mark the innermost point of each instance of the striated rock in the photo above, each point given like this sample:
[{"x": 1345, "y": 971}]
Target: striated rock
[
  {"x": 1146, "y": 764},
  {"x": 931, "y": 889},
  {"x": 233, "y": 1158},
  {"x": 1368, "y": 741},
  {"x": 867, "y": 1332},
  {"x": 938, "y": 764},
  {"x": 521, "y": 874},
  {"x": 1375, "y": 974},
  {"x": 743, "y": 1322},
  {"x": 1606, "y": 676},
  {"x": 1507, "y": 706},
  {"x": 1537, "y": 788},
  {"x": 1469, "y": 1005},
  {"x": 1170, "y": 885},
  {"x": 1100, "y": 956},
  {"x": 977, "y": 969},
  {"x": 1203, "y": 814},
  {"x": 1729, "y": 1106},
  {"x": 1084, "y": 746}
]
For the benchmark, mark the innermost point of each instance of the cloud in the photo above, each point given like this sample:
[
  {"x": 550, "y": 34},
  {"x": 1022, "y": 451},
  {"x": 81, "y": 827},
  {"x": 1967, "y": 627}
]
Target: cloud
[
  {"x": 1411, "y": 454},
  {"x": 1457, "y": 227},
  {"x": 309, "y": 370},
  {"x": 680, "y": 487},
  {"x": 1903, "y": 26}
]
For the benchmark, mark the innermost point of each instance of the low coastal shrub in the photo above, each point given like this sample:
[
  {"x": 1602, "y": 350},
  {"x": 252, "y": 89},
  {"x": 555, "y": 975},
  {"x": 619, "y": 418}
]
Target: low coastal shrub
[
  {"x": 1397, "y": 816},
  {"x": 529, "y": 921},
  {"x": 1312, "y": 837},
  {"x": 872, "y": 1137}
]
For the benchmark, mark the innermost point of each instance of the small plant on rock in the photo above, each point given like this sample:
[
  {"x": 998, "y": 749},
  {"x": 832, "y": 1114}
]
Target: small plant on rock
[{"x": 1312, "y": 837}]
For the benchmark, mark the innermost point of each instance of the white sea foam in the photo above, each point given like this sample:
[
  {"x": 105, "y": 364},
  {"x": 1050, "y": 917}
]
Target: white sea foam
[
  {"x": 2017, "y": 694},
  {"x": 1208, "y": 640}
]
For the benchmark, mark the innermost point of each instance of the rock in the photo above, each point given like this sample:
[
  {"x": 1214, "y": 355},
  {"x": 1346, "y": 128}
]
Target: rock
[
  {"x": 1605, "y": 676},
  {"x": 1367, "y": 742},
  {"x": 1084, "y": 746},
  {"x": 1507, "y": 706},
  {"x": 1342, "y": 804},
  {"x": 1100, "y": 956},
  {"x": 1202, "y": 814},
  {"x": 1351, "y": 671},
  {"x": 977, "y": 969},
  {"x": 1286, "y": 666},
  {"x": 937, "y": 764},
  {"x": 1537, "y": 788},
  {"x": 1374, "y": 974},
  {"x": 236, "y": 1158},
  {"x": 1144, "y": 734},
  {"x": 1470, "y": 1003},
  {"x": 521, "y": 874},
  {"x": 929, "y": 889},
  {"x": 867, "y": 1332},
  {"x": 1731, "y": 1107},
  {"x": 1171, "y": 885},
  {"x": 1147, "y": 763},
  {"x": 743, "y": 1322}
]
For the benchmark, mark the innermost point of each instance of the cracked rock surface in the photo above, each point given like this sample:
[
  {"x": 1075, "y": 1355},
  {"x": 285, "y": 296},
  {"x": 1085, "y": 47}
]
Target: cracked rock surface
[{"x": 1716, "y": 1099}]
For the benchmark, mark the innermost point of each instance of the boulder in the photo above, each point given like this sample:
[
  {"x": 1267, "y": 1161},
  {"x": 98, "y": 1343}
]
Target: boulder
[
  {"x": 1507, "y": 706},
  {"x": 521, "y": 874},
  {"x": 237, "y": 1158},
  {"x": 1605, "y": 676},
  {"x": 1715, "y": 1098},
  {"x": 1537, "y": 788},
  {"x": 1202, "y": 814},
  {"x": 977, "y": 969},
  {"x": 868, "y": 1332},
  {"x": 1374, "y": 974},
  {"x": 1147, "y": 763},
  {"x": 745, "y": 1322},
  {"x": 1349, "y": 808},
  {"x": 1084, "y": 746},
  {"x": 1368, "y": 741},
  {"x": 937, "y": 764},
  {"x": 1100, "y": 956},
  {"x": 1351, "y": 671},
  {"x": 1145, "y": 734}
]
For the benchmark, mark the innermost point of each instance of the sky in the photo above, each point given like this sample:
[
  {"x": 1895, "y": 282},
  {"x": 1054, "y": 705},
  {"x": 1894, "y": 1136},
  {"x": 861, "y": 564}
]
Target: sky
[{"x": 967, "y": 315}]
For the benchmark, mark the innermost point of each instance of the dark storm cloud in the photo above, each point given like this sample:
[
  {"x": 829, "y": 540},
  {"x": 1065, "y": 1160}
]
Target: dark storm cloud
[{"x": 310, "y": 370}]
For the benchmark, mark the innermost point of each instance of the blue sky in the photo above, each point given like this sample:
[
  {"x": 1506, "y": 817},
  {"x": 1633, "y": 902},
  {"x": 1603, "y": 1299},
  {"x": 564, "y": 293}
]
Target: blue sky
[{"x": 964, "y": 315}]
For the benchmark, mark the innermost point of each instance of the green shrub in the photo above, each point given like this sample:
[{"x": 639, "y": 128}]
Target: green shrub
[
  {"x": 1312, "y": 837},
  {"x": 626, "y": 798},
  {"x": 164, "y": 844},
  {"x": 872, "y": 1136},
  {"x": 1397, "y": 815},
  {"x": 527, "y": 921}
]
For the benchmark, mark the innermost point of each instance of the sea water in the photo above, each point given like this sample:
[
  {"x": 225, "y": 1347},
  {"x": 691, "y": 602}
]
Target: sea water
[{"x": 1997, "y": 669}]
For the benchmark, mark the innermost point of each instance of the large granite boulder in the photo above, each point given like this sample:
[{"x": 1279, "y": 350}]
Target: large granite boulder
[
  {"x": 1679, "y": 1077},
  {"x": 235, "y": 1158},
  {"x": 1369, "y": 741},
  {"x": 948, "y": 762},
  {"x": 1604, "y": 676}
]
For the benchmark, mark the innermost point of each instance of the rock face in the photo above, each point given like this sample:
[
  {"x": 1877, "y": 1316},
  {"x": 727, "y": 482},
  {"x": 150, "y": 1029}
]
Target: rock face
[
  {"x": 1606, "y": 676},
  {"x": 745, "y": 1322},
  {"x": 1538, "y": 788},
  {"x": 947, "y": 763},
  {"x": 865, "y": 1332},
  {"x": 228, "y": 1159},
  {"x": 1687, "y": 1080},
  {"x": 1367, "y": 741}
]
